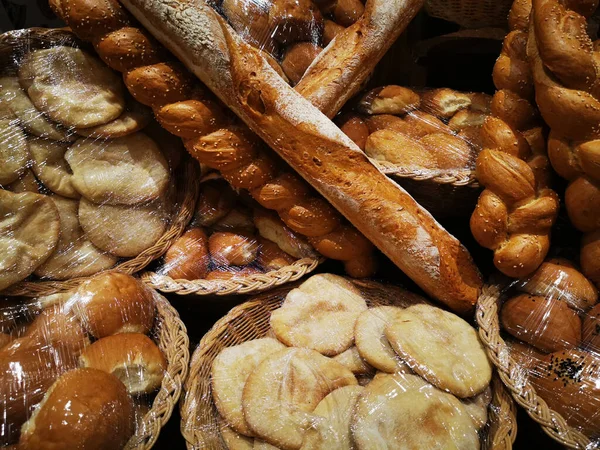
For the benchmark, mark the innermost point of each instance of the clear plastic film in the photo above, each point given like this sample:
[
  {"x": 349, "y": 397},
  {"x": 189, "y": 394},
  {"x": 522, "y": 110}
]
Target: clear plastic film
[
  {"x": 336, "y": 364},
  {"x": 550, "y": 322},
  {"x": 291, "y": 34},
  {"x": 87, "y": 177},
  {"x": 231, "y": 237},
  {"x": 81, "y": 366}
]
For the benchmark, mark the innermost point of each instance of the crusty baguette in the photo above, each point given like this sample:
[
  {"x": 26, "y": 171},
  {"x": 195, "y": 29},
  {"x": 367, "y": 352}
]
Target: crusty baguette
[
  {"x": 186, "y": 109},
  {"x": 314, "y": 147},
  {"x": 516, "y": 211},
  {"x": 566, "y": 72}
]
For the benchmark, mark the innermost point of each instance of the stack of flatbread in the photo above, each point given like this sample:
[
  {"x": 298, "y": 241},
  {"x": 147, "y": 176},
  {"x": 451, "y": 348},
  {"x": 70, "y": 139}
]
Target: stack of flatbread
[{"x": 336, "y": 374}]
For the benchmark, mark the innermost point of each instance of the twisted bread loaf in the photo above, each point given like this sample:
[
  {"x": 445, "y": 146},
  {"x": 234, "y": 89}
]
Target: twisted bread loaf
[
  {"x": 314, "y": 147},
  {"x": 566, "y": 71},
  {"x": 516, "y": 210},
  {"x": 185, "y": 109}
]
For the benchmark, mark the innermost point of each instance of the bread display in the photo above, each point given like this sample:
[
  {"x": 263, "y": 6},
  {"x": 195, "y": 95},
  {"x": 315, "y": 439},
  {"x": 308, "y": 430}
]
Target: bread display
[
  {"x": 290, "y": 388},
  {"x": 75, "y": 363},
  {"x": 566, "y": 73}
]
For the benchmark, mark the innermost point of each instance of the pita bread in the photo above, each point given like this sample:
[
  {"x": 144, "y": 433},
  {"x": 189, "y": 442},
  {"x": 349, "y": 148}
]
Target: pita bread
[
  {"x": 14, "y": 152},
  {"x": 50, "y": 167}
]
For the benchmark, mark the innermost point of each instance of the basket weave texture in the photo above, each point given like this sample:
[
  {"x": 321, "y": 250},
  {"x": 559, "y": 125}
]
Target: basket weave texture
[
  {"x": 14, "y": 42},
  {"x": 251, "y": 320},
  {"x": 511, "y": 374},
  {"x": 171, "y": 337},
  {"x": 471, "y": 13}
]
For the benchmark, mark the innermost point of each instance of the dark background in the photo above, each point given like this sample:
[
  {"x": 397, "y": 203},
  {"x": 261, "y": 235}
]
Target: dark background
[{"x": 420, "y": 58}]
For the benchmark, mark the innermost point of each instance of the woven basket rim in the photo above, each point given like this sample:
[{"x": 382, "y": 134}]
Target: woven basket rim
[
  {"x": 247, "y": 284},
  {"x": 186, "y": 177},
  {"x": 503, "y": 412},
  {"x": 522, "y": 391},
  {"x": 174, "y": 343}
]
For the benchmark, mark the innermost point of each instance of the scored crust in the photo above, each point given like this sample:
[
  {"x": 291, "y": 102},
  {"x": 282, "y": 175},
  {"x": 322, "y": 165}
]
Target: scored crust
[
  {"x": 442, "y": 348},
  {"x": 50, "y": 167},
  {"x": 230, "y": 371},
  {"x": 72, "y": 87},
  {"x": 405, "y": 412},
  {"x": 320, "y": 314},
  {"x": 75, "y": 255},
  {"x": 29, "y": 232},
  {"x": 126, "y": 170},
  {"x": 283, "y": 391},
  {"x": 371, "y": 342}
]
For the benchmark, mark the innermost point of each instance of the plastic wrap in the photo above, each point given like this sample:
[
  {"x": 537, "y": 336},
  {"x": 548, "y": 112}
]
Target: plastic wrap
[
  {"x": 81, "y": 369},
  {"x": 550, "y": 322},
  {"x": 338, "y": 364},
  {"x": 87, "y": 177},
  {"x": 232, "y": 237}
]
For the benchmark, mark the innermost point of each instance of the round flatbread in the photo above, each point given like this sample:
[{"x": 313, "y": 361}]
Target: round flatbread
[
  {"x": 371, "y": 342},
  {"x": 352, "y": 360},
  {"x": 50, "y": 167},
  {"x": 27, "y": 183},
  {"x": 30, "y": 118},
  {"x": 125, "y": 170},
  {"x": 262, "y": 445},
  {"x": 477, "y": 407},
  {"x": 331, "y": 428},
  {"x": 124, "y": 231},
  {"x": 233, "y": 440},
  {"x": 29, "y": 232},
  {"x": 230, "y": 371},
  {"x": 284, "y": 389},
  {"x": 14, "y": 152},
  {"x": 72, "y": 87},
  {"x": 404, "y": 412},
  {"x": 135, "y": 118},
  {"x": 75, "y": 255},
  {"x": 442, "y": 348},
  {"x": 320, "y": 314}
]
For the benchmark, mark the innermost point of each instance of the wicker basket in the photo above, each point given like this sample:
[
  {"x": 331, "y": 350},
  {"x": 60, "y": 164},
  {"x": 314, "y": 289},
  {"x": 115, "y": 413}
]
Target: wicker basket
[
  {"x": 511, "y": 374},
  {"x": 12, "y": 44},
  {"x": 471, "y": 13},
  {"x": 171, "y": 337},
  {"x": 250, "y": 320}
]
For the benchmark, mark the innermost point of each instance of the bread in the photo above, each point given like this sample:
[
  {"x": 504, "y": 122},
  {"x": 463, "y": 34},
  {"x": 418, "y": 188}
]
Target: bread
[
  {"x": 566, "y": 72},
  {"x": 392, "y": 99},
  {"x": 445, "y": 102},
  {"x": 355, "y": 128},
  {"x": 188, "y": 257},
  {"x": 297, "y": 58},
  {"x": 232, "y": 249},
  {"x": 14, "y": 152},
  {"x": 215, "y": 201},
  {"x": 131, "y": 357},
  {"x": 50, "y": 167},
  {"x": 566, "y": 381},
  {"x": 295, "y": 21},
  {"x": 330, "y": 31},
  {"x": 112, "y": 303},
  {"x": 84, "y": 408},
  {"x": 547, "y": 324},
  {"x": 319, "y": 152},
  {"x": 513, "y": 171},
  {"x": 158, "y": 84},
  {"x": 271, "y": 257}
]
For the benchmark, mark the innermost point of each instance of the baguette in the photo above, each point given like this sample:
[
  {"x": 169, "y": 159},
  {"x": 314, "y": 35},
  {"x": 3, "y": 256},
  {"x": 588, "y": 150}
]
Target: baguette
[
  {"x": 566, "y": 72},
  {"x": 187, "y": 110},
  {"x": 314, "y": 147},
  {"x": 516, "y": 211}
]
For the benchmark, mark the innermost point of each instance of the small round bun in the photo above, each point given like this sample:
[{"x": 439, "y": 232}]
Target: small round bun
[
  {"x": 188, "y": 257},
  {"x": 84, "y": 409},
  {"x": 232, "y": 248},
  {"x": 112, "y": 303},
  {"x": 132, "y": 357}
]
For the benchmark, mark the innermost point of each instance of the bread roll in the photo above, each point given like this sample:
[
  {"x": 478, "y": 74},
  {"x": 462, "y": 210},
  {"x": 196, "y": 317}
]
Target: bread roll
[
  {"x": 389, "y": 100},
  {"x": 232, "y": 249},
  {"x": 271, "y": 257},
  {"x": 112, "y": 303},
  {"x": 84, "y": 409},
  {"x": 215, "y": 201},
  {"x": 356, "y": 129},
  {"x": 299, "y": 20},
  {"x": 188, "y": 257},
  {"x": 132, "y": 357},
  {"x": 297, "y": 58},
  {"x": 445, "y": 102}
]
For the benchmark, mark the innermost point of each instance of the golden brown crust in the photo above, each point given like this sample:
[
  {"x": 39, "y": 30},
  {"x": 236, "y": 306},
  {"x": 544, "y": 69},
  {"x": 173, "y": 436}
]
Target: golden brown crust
[
  {"x": 513, "y": 166},
  {"x": 297, "y": 58},
  {"x": 188, "y": 257}
]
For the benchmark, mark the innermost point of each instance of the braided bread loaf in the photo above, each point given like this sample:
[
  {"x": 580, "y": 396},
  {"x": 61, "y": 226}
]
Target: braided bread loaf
[
  {"x": 315, "y": 148},
  {"x": 186, "y": 109},
  {"x": 516, "y": 210},
  {"x": 566, "y": 71}
]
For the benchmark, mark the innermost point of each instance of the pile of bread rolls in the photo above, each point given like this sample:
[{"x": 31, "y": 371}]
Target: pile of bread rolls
[
  {"x": 78, "y": 369},
  {"x": 291, "y": 34},
  {"x": 554, "y": 324},
  {"x": 82, "y": 186},
  {"x": 431, "y": 131},
  {"x": 232, "y": 237},
  {"x": 374, "y": 379}
]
